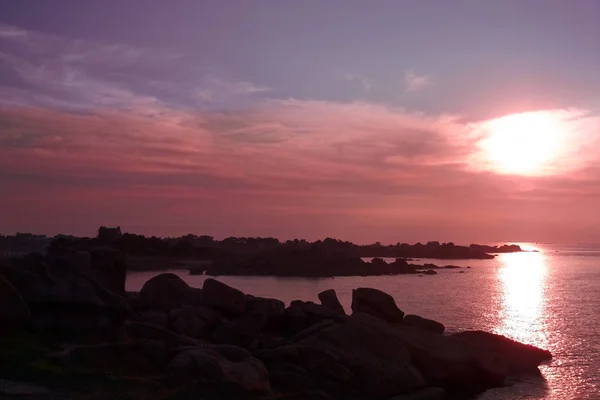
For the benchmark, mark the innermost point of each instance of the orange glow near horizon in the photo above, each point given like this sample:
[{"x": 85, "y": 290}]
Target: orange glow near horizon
[{"x": 524, "y": 144}]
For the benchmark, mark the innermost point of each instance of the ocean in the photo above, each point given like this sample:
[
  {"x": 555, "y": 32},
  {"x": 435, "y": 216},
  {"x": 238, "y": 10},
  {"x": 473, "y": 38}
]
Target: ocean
[{"x": 549, "y": 298}]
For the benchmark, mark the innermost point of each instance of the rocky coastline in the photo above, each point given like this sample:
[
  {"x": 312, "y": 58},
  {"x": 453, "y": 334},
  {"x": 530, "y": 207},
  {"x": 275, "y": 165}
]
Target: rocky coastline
[
  {"x": 314, "y": 264},
  {"x": 152, "y": 253},
  {"x": 71, "y": 331}
]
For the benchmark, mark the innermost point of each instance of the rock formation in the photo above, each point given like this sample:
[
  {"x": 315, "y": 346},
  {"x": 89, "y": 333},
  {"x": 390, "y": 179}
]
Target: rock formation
[{"x": 75, "y": 331}]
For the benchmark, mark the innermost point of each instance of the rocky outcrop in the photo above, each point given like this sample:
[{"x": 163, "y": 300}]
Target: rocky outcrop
[
  {"x": 518, "y": 357},
  {"x": 168, "y": 291},
  {"x": 361, "y": 355},
  {"x": 330, "y": 300},
  {"x": 222, "y": 297},
  {"x": 218, "y": 342},
  {"x": 222, "y": 365},
  {"x": 61, "y": 293},
  {"x": 452, "y": 363},
  {"x": 301, "y": 315},
  {"x": 195, "y": 322},
  {"x": 376, "y": 303},
  {"x": 265, "y": 306},
  {"x": 423, "y": 323}
]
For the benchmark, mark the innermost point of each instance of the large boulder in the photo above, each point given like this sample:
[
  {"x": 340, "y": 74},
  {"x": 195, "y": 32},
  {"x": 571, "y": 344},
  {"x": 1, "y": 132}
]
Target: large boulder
[
  {"x": 222, "y": 365},
  {"x": 246, "y": 330},
  {"x": 140, "y": 331},
  {"x": 196, "y": 322},
  {"x": 330, "y": 300},
  {"x": 243, "y": 331},
  {"x": 377, "y": 303},
  {"x": 154, "y": 317},
  {"x": 167, "y": 291},
  {"x": 423, "y": 323},
  {"x": 60, "y": 294},
  {"x": 301, "y": 315},
  {"x": 122, "y": 358},
  {"x": 357, "y": 355},
  {"x": 224, "y": 298},
  {"x": 451, "y": 363},
  {"x": 518, "y": 356},
  {"x": 13, "y": 308},
  {"x": 265, "y": 306}
]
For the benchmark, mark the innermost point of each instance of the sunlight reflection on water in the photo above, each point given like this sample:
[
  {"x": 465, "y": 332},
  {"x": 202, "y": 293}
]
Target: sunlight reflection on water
[
  {"x": 523, "y": 284},
  {"x": 549, "y": 299}
]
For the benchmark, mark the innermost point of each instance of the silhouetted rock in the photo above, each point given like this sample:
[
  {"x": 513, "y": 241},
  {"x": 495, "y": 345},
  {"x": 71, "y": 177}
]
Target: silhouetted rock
[
  {"x": 170, "y": 339},
  {"x": 268, "y": 307},
  {"x": 243, "y": 331},
  {"x": 362, "y": 355},
  {"x": 62, "y": 295},
  {"x": 154, "y": 317},
  {"x": 430, "y": 272},
  {"x": 423, "y": 323},
  {"x": 452, "y": 363},
  {"x": 127, "y": 357},
  {"x": 519, "y": 357},
  {"x": 376, "y": 303},
  {"x": 330, "y": 300},
  {"x": 196, "y": 322},
  {"x": 301, "y": 315},
  {"x": 506, "y": 248},
  {"x": 224, "y": 365},
  {"x": 166, "y": 292},
  {"x": 225, "y": 298},
  {"x": 309, "y": 351}
]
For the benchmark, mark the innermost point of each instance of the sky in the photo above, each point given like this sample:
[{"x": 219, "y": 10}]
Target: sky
[{"x": 391, "y": 121}]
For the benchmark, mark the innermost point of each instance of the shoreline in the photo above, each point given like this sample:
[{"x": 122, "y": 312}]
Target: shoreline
[{"x": 81, "y": 332}]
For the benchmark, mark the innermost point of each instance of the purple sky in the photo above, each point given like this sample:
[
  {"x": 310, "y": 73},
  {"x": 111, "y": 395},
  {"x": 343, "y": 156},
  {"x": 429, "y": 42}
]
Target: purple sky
[{"x": 359, "y": 120}]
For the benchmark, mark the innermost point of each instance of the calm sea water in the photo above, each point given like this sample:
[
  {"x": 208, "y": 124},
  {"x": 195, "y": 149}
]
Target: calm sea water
[{"x": 550, "y": 299}]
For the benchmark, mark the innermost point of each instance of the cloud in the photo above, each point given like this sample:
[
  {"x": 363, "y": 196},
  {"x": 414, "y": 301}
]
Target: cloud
[
  {"x": 95, "y": 133},
  {"x": 364, "y": 82},
  {"x": 279, "y": 161},
  {"x": 73, "y": 74},
  {"x": 414, "y": 82},
  {"x": 213, "y": 89}
]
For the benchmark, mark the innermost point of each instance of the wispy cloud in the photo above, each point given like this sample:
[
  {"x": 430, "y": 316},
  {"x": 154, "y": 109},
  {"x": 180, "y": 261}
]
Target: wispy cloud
[
  {"x": 414, "y": 82},
  {"x": 281, "y": 160},
  {"x": 364, "y": 82},
  {"x": 213, "y": 89},
  {"x": 54, "y": 71}
]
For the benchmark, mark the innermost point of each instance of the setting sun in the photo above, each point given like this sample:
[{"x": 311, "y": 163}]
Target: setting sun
[{"x": 524, "y": 144}]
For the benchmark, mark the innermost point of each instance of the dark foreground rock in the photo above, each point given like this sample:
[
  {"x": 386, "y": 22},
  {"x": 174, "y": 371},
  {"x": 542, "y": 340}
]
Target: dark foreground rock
[
  {"x": 360, "y": 355},
  {"x": 518, "y": 357},
  {"x": 168, "y": 291},
  {"x": 377, "y": 303},
  {"x": 330, "y": 300},
  {"x": 220, "y": 365},
  {"x": 423, "y": 323},
  {"x": 177, "y": 342}
]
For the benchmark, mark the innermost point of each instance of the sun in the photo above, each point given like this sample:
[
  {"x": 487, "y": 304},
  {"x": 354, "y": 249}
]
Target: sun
[{"x": 523, "y": 144}]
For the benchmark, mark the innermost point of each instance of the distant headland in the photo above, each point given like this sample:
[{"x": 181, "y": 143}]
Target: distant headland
[{"x": 254, "y": 255}]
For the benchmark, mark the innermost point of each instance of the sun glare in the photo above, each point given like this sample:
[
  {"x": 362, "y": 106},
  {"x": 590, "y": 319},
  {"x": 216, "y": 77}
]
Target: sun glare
[{"x": 523, "y": 144}]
